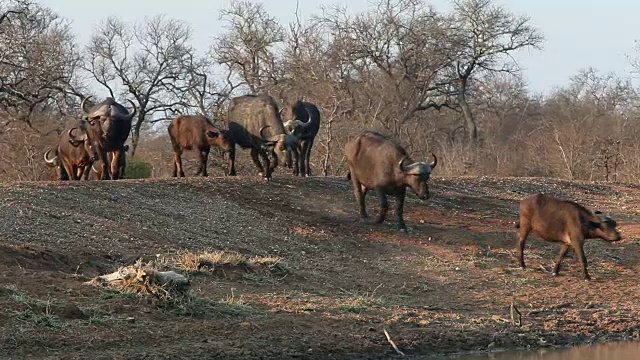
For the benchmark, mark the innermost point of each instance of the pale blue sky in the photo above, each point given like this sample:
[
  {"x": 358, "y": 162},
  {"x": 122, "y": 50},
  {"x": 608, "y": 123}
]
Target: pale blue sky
[{"x": 579, "y": 33}]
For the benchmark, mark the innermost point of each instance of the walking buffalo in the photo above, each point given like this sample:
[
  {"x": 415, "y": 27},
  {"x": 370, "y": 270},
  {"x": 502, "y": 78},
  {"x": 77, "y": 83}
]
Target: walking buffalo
[{"x": 378, "y": 163}]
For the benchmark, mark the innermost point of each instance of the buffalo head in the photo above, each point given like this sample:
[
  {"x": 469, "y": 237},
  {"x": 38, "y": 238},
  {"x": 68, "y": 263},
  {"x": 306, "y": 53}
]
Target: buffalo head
[
  {"x": 78, "y": 136},
  {"x": 280, "y": 143},
  {"x": 104, "y": 113},
  {"x": 417, "y": 175}
]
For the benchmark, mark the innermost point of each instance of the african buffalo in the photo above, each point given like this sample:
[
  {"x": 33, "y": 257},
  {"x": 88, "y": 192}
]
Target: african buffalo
[
  {"x": 562, "y": 221},
  {"x": 74, "y": 155},
  {"x": 376, "y": 162},
  {"x": 301, "y": 119},
  {"x": 191, "y": 132},
  {"x": 255, "y": 123},
  {"x": 108, "y": 125}
]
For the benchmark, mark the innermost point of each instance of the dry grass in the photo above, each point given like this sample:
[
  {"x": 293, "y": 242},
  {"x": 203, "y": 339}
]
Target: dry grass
[{"x": 214, "y": 260}]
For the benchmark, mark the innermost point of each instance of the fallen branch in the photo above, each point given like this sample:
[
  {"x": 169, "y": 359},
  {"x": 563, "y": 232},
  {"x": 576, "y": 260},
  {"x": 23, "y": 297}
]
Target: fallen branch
[
  {"x": 392, "y": 343},
  {"x": 514, "y": 310},
  {"x": 551, "y": 308}
]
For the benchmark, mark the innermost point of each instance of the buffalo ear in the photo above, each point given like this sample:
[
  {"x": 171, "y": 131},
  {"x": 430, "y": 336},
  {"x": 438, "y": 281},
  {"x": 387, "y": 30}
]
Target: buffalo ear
[
  {"x": 597, "y": 212},
  {"x": 213, "y": 134}
]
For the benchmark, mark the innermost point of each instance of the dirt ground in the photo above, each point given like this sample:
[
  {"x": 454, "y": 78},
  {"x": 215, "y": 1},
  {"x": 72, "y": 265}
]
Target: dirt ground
[{"x": 446, "y": 287}]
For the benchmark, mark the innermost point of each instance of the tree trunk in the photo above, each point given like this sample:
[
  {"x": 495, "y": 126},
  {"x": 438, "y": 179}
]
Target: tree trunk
[
  {"x": 135, "y": 136},
  {"x": 469, "y": 119}
]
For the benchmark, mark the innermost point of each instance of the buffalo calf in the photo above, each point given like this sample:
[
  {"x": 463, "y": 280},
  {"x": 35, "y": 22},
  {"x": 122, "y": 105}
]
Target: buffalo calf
[
  {"x": 191, "y": 132},
  {"x": 565, "y": 222}
]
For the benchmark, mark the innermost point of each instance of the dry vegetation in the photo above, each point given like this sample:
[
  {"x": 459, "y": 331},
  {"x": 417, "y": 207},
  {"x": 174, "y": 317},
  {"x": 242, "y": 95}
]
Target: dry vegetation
[
  {"x": 434, "y": 80},
  {"x": 272, "y": 274}
]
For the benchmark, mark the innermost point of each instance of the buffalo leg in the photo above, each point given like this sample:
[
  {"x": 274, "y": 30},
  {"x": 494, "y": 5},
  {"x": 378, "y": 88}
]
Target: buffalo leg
[
  {"x": 177, "y": 163},
  {"x": 105, "y": 166},
  {"x": 79, "y": 170},
  {"x": 85, "y": 172},
  {"x": 71, "y": 172},
  {"x": 204, "y": 156},
  {"x": 563, "y": 251},
  {"x": 307, "y": 158},
  {"x": 523, "y": 232},
  {"x": 295, "y": 163},
  {"x": 115, "y": 164},
  {"x": 289, "y": 160},
  {"x": 301, "y": 158},
  {"x": 577, "y": 247},
  {"x": 256, "y": 161},
  {"x": 400, "y": 195},
  {"x": 384, "y": 206},
  {"x": 359, "y": 195},
  {"x": 231, "y": 171}
]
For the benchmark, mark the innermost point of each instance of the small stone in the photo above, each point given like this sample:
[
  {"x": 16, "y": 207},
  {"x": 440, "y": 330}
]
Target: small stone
[{"x": 71, "y": 311}]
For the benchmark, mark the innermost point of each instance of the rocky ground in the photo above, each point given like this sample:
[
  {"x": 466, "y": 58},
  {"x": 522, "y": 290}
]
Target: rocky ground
[{"x": 445, "y": 287}]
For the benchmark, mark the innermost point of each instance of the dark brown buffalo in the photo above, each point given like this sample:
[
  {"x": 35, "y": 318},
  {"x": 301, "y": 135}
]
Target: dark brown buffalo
[
  {"x": 191, "y": 132},
  {"x": 74, "y": 155},
  {"x": 565, "y": 222},
  {"x": 96, "y": 168},
  {"x": 378, "y": 163},
  {"x": 301, "y": 119},
  {"x": 108, "y": 125},
  {"x": 255, "y": 123}
]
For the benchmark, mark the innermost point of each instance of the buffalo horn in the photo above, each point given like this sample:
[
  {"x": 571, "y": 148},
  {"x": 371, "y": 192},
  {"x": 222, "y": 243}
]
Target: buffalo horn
[
  {"x": 73, "y": 138},
  {"x": 435, "y": 161},
  {"x": 83, "y": 103},
  {"x": 48, "y": 160}
]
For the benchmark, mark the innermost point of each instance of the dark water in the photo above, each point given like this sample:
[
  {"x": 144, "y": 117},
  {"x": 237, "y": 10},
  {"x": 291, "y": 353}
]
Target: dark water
[{"x": 613, "y": 351}]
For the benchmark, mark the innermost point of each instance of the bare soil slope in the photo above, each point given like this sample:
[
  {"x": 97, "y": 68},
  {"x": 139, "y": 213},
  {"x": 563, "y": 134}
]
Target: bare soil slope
[{"x": 445, "y": 287}]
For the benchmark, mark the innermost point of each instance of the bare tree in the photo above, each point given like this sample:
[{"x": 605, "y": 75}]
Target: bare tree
[
  {"x": 38, "y": 61},
  {"x": 483, "y": 37},
  {"x": 398, "y": 46},
  {"x": 248, "y": 46},
  {"x": 206, "y": 90},
  {"x": 146, "y": 61}
]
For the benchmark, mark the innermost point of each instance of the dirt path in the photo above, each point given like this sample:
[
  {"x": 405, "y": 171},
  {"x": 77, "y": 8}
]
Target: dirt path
[{"x": 445, "y": 287}]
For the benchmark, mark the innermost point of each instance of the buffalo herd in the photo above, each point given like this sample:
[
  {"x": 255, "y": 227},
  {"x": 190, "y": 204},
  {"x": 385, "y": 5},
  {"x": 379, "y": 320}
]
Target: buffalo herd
[{"x": 95, "y": 148}]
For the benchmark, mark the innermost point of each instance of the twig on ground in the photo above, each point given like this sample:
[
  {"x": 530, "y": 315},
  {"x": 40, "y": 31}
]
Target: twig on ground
[
  {"x": 392, "y": 343},
  {"x": 514, "y": 310}
]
